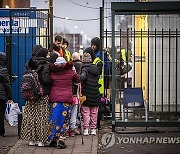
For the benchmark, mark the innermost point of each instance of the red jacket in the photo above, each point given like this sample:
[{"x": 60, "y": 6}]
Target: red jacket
[{"x": 63, "y": 76}]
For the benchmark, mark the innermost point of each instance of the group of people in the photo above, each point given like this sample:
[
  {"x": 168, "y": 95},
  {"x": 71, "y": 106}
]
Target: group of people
[{"x": 63, "y": 78}]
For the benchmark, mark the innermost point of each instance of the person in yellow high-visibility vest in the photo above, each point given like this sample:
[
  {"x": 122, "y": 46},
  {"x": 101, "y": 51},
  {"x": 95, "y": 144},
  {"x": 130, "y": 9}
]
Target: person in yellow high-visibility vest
[
  {"x": 67, "y": 54},
  {"x": 59, "y": 47},
  {"x": 97, "y": 61}
]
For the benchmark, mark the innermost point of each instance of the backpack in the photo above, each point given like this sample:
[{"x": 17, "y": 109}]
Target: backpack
[{"x": 31, "y": 87}]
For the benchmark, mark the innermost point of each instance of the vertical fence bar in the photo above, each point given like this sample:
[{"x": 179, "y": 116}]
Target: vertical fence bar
[
  {"x": 25, "y": 39},
  {"x": 134, "y": 57},
  {"x": 4, "y": 39},
  {"x": 148, "y": 68},
  {"x": 106, "y": 38},
  {"x": 120, "y": 61},
  {"x": 113, "y": 69},
  {"x": 51, "y": 23},
  {"x": 155, "y": 71},
  {"x": 141, "y": 57},
  {"x": 10, "y": 49},
  {"x": 108, "y": 73},
  {"x": 162, "y": 86},
  {"x": 120, "y": 71},
  {"x": 18, "y": 67},
  {"x": 169, "y": 75},
  {"x": 176, "y": 67},
  {"x": 48, "y": 31},
  {"x": 32, "y": 37},
  {"x": 101, "y": 32},
  {"x": 127, "y": 61}
]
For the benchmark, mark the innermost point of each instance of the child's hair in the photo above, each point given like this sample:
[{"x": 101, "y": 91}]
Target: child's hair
[{"x": 75, "y": 56}]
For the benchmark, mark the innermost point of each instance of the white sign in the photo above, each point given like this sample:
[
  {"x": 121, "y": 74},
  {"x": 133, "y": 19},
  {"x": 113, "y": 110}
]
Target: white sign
[{"x": 20, "y": 25}]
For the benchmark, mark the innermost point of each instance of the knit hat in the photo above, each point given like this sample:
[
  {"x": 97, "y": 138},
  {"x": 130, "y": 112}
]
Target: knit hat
[
  {"x": 95, "y": 41},
  {"x": 60, "y": 60},
  {"x": 42, "y": 52},
  {"x": 91, "y": 52},
  {"x": 53, "y": 57},
  {"x": 36, "y": 49},
  {"x": 86, "y": 58}
]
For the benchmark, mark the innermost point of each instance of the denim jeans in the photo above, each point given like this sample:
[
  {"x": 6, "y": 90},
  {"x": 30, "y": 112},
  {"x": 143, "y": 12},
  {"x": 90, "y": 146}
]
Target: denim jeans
[{"x": 73, "y": 117}]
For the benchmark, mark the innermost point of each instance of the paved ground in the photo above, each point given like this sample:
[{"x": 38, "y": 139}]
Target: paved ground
[
  {"x": 91, "y": 145},
  {"x": 11, "y": 137},
  {"x": 12, "y": 145},
  {"x": 120, "y": 143},
  {"x": 74, "y": 146}
]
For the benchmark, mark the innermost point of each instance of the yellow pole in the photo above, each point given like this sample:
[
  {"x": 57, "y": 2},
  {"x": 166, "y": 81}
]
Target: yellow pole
[{"x": 141, "y": 52}]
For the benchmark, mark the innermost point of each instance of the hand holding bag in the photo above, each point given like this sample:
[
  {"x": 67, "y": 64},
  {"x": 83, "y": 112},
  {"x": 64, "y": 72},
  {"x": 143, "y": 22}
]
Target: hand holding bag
[{"x": 11, "y": 113}]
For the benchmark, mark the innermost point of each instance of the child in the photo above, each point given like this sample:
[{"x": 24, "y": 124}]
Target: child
[
  {"x": 78, "y": 64},
  {"x": 90, "y": 88}
]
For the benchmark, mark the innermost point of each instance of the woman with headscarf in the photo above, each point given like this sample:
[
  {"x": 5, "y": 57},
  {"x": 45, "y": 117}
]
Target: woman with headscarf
[
  {"x": 63, "y": 75},
  {"x": 36, "y": 113}
]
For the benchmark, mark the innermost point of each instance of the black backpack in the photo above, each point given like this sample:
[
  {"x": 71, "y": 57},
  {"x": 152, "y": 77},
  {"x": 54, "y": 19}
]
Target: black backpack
[{"x": 31, "y": 87}]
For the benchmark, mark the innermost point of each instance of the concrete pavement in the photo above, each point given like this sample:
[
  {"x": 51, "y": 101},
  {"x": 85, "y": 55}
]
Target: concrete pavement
[{"x": 74, "y": 146}]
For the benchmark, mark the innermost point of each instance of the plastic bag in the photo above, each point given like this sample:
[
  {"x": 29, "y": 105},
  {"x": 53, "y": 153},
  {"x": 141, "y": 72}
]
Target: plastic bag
[{"x": 11, "y": 113}]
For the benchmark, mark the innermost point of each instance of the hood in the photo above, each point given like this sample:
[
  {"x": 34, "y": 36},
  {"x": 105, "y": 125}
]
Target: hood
[
  {"x": 40, "y": 60},
  {"x": 92, "y": 69},
  {"x": 37, "y": 62},
  {"x": 60, "y": 68},
  {"x": 36, "y": 49},
  {"x": 3, "y": 59},
  {"x": 91, "y": 52}
]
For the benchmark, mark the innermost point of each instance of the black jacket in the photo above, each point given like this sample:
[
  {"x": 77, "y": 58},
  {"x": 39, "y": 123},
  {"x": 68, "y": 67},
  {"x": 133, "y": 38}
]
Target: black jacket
[
  {"x": 90, "y": 87},
  {"x": 5, "y": 86},
  {"x": 41, "y": 65}
]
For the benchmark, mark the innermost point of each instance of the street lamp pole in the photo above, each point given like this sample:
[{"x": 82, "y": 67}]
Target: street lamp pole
[
  {"x": 74, "y": 42},
  {"x": 74, "y": 39}
]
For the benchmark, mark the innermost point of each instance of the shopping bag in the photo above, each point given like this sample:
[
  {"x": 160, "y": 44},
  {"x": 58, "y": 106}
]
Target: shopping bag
[{"x": 11, "y": 113}]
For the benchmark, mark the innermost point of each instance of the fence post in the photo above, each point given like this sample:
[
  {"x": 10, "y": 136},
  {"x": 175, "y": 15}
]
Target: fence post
[{"x": 51, "y": 23}]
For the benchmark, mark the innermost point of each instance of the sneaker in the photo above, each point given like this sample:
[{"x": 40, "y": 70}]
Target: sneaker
[
  {"x": 76, "y": 131},
  {"x": 32, "y": 143},
  {"x": 86, "y": 132},
  {"x": 93, "y": 131},
  {"x": 40, "y": 144},
  {"x": 67, "y": 134},
  {"x": 72, "y": 134}
]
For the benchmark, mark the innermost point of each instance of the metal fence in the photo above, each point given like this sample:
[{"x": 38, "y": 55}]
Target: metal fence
[
  {"x": 20, "y": 31},
  {"x": 146, "y": 37}
]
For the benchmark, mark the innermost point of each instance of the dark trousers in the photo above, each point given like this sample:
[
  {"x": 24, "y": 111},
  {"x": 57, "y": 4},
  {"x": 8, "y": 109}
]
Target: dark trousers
[
  {"x": 99, "y": 120},
  {"x": 2, "y": 112}
]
